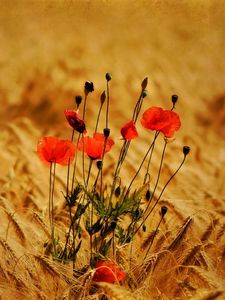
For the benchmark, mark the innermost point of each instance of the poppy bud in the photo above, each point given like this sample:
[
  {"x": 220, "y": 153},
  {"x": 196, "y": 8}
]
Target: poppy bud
[
  {"x": 117, "y": 191},
  {"x": 89, "y": 87},
  {"x": 186, "y": 150},
  {"x": 137, "y": 213},
  {"x": 144, "y": 83},
  {"x": 145, "y": 93},
  {"x": 128, "y": 239},
  {"x": 103, "y": 97},
  {"x": 113, "y": 225},
  {"x": 108, "y": 76},
  {"x": 148, "y": 195},
  {"x": 99, "y": 164},
  {"x": 78, "y": 100},
  {"x": 106, "y": 132},
  {"x": 174, "y": 99},
  {"x": 164, "y": 210},
  {"x": 144, "y": 227}
]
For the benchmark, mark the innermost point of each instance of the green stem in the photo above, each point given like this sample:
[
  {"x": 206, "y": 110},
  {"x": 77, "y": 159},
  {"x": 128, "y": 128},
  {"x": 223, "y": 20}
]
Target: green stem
[
  {"x": 107, "y": 106},
  {"x": 75, "y": 163},
  {"x": 145, "y": 218},
  {"x": 158, "y": 176},
  {"x": 50, "y": 193},
  {"x": 98, "y": 117},
  {"x": 139, "y": 169},
  {"x": 149, "y": 161},
  {"x": 85, "y": 102},
  {"x": 68, "y": 170},
  {"x": 52, "y": 205}
]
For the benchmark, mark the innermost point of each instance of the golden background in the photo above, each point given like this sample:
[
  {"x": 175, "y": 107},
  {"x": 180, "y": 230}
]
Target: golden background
[{"x": 48, "y": 49}]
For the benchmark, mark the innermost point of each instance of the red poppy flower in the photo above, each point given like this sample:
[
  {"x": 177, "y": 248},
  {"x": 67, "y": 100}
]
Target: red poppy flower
[
  {"x": 129, "y": 131},
  {"x": 107, "y": 271},
  {"x": 94, "y": 146},
  {"x": 52, "y": 149},
  {"x": 75, "y": 121},
  {"x": 165, "y": 121}
]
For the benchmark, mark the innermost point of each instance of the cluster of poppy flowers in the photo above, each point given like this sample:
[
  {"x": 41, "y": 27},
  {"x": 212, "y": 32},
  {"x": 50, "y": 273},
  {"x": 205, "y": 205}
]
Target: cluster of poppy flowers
[
  {"x": 53, "y": 150},
  {"x": 60, "y": 151}
]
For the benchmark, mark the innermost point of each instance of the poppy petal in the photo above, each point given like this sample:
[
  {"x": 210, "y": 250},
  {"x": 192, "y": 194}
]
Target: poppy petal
[
  {"x": 129, "y": 131},
  {"x": 52, "y": 149},
  {"x": 165, "y": 121},
  {"x": 75, "y": 121}
]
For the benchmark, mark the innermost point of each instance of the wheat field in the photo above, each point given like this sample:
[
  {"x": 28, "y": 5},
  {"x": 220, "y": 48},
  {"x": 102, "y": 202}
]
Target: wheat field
[{"x": 48, "y": 50}]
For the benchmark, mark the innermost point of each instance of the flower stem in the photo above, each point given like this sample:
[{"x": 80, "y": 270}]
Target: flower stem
[
  {"x": 149, "y": 161},
  {"x": 101, "y": 174},
  {"x": 146, "y": 217},
  {"x": 107, "y": 105},
  {"x": 83, "y": 166},
  {"x": 50, "y": 194},
  {"x": 117, "y": 170},
  {"x": 138, "y": 106},
  {"x": 68, "y": 170},
  {"x": 154, "y": 235},
  {"x": 158, "y": 176},
  {"x": 139, "y": 169},
  {"x": 75, "y": 163},
  {"x": 98, "y": 117},
  {"x": 85, "y": 102},
  {"x": 52, "y": 203}
]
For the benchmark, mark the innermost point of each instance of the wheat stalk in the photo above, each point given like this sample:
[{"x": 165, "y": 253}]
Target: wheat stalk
[
  {"x": 148, "y": 239},
  {"x": 159, "y": 244},
  {"x": 8, "y": 249},
  {"x": 220, "y": 232},
  {"x": 205, "y": 295},
  {"x": 46, "y": 265},
  {"x": 16, "y": 227},
  {"x": 41, "y": 223},
  {"x": 116, "y": 292},
  {"x": 208, "y": 231},
  {"x": 145, "y": 269},
  {"x": 188, "y": 259},
  {"x": 181, "y": 234},
  {"x": 203, "y": 276}
]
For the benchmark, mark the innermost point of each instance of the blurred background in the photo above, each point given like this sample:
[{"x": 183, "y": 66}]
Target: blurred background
[{"x": 50, "y": 48}]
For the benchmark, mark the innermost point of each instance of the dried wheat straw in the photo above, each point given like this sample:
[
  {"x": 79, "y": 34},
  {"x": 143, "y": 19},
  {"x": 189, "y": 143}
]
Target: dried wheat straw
[
  {"x": 203, "y": 276},
  {"x": 205, "y": 295},
  {"x": 46, "y": 265},
  {"x": 41, "y": 223},
  {"x": 8, "y": 249},
  {"x": 181, "y": 234},
  {"x": 209, "y": 230},
  {"x": 142, "y": 271},
  {"x": 189, "y": 258},
  {"x": 16, "y": 227},
  {"x": 159, "y": 244},
  {"x": 148, "y": 239},
  {"x": 204, "y": 262},
  {"x": 220, "y": 232},
  {"x": 116, "y": 292}
]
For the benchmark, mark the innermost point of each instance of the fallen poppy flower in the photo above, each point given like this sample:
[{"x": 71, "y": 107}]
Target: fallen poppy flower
[
  {"x": 75, "y": 121},
  {"x": 129, "y": 131},
  {"x": 54, "y": 150},
  {"x": 94, "y": 146},
  {"x": 107, "y": 271},
  {"x": 165, "y": 121}
]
